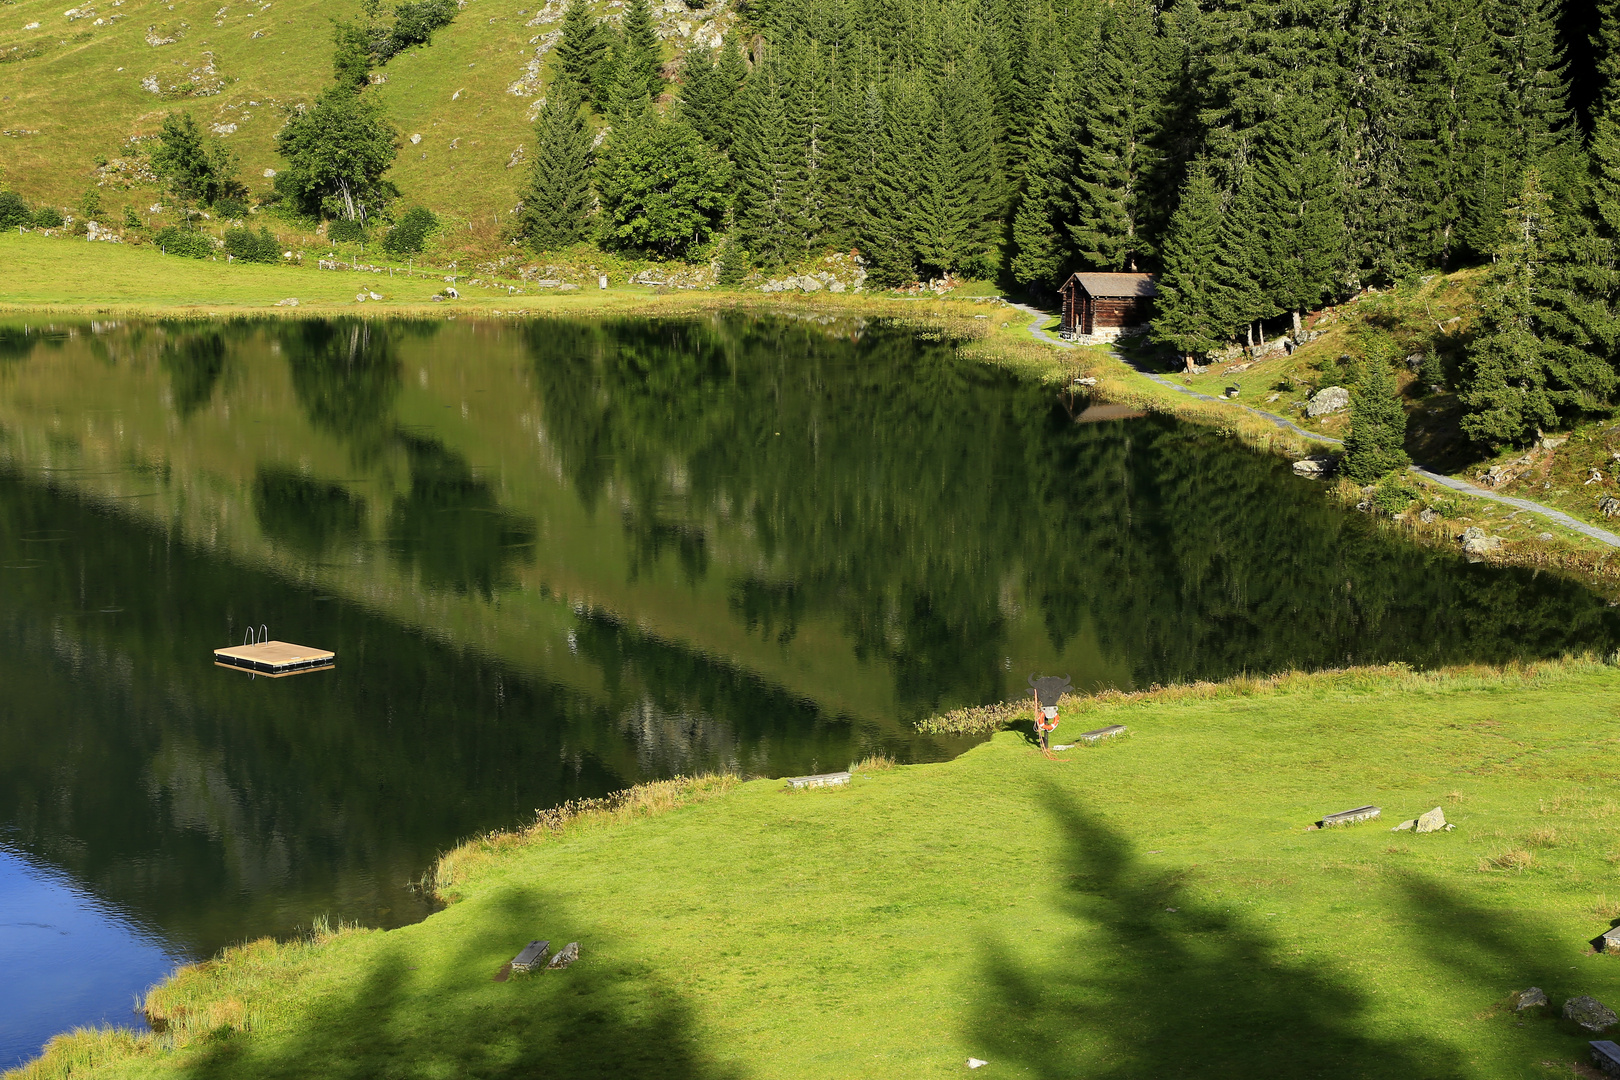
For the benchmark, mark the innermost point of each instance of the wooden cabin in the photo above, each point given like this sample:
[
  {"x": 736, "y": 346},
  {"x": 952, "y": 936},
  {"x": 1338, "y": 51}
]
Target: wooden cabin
[{"x": 1106, "y": 305}]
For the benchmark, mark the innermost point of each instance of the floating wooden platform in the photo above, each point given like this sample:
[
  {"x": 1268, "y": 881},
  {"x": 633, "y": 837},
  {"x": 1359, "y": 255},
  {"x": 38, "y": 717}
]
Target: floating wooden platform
[
  {"x": 819, "y": 780},
  {"x": 275, "y": 658}
]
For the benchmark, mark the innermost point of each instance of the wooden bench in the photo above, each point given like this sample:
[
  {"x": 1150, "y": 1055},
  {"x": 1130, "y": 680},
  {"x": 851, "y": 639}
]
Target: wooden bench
[
  {"x": 829, "y": 779},
  {"x": 1349, "y": 817},
  {"x": 1606, "y": 1056}
]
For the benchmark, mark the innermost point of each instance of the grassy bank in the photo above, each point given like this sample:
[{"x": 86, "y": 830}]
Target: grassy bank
[{"x": 1152, "y": 906}]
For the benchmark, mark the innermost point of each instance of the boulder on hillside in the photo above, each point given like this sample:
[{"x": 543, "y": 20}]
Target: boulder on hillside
[
  {"x": 1433, "y": 821},
  {"x": 1329, "y": 399},
  {"x": 1590, "y": 1013},
  {"x": 1532, "y": 998}
]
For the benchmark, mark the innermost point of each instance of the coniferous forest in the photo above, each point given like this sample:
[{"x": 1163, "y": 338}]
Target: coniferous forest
[{"x": 1264, "y": 158}]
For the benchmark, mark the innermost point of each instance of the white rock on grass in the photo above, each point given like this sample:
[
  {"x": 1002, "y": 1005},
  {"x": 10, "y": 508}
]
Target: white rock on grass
[
  {"x": 1329, "y": 399},
  {"x": 1433, "y": 821}
]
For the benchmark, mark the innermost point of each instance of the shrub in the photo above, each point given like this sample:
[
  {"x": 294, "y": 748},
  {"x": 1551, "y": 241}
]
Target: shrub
[
  {"x": 132, "y": 220},
  {"x": 409, "y": 236},
  {"x": 230, "y": 207},
  {"x": 343, "y": 230},
  {"x": 90, "y": 205},
  {"x": 415, "y": 21},
  {"x": 244, "y": 245},
  {"x": 13, "y": 211},
  {"x": 1393, "y": 494},
  {"x": 177, "y": 241},
  {"x": 47, "y": 217}
]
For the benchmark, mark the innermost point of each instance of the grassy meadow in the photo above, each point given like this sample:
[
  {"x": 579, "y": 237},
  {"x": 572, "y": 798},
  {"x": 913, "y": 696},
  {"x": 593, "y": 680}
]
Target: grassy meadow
[{"x": 1153, "y": 906}]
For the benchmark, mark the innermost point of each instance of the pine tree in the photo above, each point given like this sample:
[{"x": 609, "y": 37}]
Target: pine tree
[
  {"x": 640, "y": 55},
  {"x": 1116, "y": 151},
  {"x": 1041, "y": 249},
  {"x": 1453, "y": 116},
  {"x": 1377, "y": 442},
  {"x": 1301, "y": 218},
  {"x": 557, "y": 205},
  {"x": 1237, "y": 290},
  {"x": 1531, "y": 120},
  {"x": 581, "y": 49},
  {"x": 1510, "y": 372},
  {"x": 1384, "y": 57},
  {"x": 1186, "y": 305},
  {"x": 768, "y": 161},
  {"x": 708, "y": 92}
]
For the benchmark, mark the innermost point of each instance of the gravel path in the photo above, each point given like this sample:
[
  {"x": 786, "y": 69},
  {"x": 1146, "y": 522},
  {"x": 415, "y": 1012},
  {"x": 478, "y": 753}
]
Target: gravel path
[{"x": 1602, "y": 536}]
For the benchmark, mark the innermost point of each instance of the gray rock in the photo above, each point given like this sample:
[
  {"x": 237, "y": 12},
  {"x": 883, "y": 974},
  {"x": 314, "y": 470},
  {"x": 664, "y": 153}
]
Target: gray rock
[
  {"x": 809, "y": 284},
  {"x": 1427, "y": 516},
  {"x": 1609, "y": 506},
  {"x": 1405, "y": 826},
  {"x": 1433, "y": 821},
  {"x": 1532, "y": 998},
  {"x": 1311, "y": 468},
  {"x": 565, "y": 956},
  {"x": 1590, "y": 1013},
  {"x": 1544, "y": 537},
  {"x": 1478, "y": 546},
  {"x": 1329, "y": 399},
  {"x": 1414, "y": 362}
]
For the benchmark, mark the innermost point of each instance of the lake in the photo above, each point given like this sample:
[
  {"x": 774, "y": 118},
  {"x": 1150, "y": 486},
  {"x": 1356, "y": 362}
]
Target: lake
[{"x": 556, "y": 558}]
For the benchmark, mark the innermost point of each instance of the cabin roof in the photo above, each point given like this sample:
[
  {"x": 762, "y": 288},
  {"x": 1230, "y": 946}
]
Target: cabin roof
[{"x": 1117, "y": 284}]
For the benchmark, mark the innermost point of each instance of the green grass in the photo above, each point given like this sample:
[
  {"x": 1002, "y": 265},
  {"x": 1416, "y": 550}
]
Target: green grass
[
  {"x": 80, "y": 95},
  {"x": 1153, "y": 906}
]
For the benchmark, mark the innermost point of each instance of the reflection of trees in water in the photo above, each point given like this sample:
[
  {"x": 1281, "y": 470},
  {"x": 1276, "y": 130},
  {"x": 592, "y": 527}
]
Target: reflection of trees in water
[
  {"x": 16, "y": 343},
  {"x": 450, "y": 527},
  {"x": 896, "y": 487},
  {"x": 346, "y": 375},
  {"x": 306, "y": 515},
  {"x": 194, "y": 358}
]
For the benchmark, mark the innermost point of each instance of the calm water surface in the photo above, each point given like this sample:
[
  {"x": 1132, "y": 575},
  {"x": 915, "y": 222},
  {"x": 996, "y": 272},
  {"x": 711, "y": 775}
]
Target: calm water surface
[{"x": 556, "y": 558}]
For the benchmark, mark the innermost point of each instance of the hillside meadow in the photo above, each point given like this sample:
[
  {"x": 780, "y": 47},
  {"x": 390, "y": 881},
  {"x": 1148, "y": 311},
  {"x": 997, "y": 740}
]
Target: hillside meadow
[{"x": 1152, "y": 906}]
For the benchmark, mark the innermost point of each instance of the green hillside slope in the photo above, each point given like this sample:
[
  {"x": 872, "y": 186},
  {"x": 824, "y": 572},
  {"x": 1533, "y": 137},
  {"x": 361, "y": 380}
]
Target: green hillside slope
[{"x": 76, "y": 87}]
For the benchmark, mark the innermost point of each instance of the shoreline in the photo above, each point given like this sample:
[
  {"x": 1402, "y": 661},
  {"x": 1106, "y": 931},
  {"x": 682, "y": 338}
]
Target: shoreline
[{"x": 1209, "y": 856}]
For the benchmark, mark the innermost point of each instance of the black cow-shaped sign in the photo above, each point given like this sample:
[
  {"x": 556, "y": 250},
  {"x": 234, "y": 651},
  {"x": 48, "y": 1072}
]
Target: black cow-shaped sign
[{"x": 1049, "y": 689}]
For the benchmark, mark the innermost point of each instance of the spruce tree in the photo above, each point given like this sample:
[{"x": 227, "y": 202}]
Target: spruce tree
[
  {"x": 1383, "y": 58},
  {"x": 1041, "y": 249},
  {"x": 709, "y": 89},
  {"x": 768, "y": 160},
  {"x": 1125, "y": 94},
  {"x": 1301, "y": 217},
  {"x": 640, "y": 55},
  {"x": 581, "y": 49},
  {"x": 1510, "y": 389},
  {"x": 1237, "y": 289},
  {"x": 557, "y": 205},
  {"x": 1377, "y": 442},
  {"x": 1453, "y": 116},
  {"x": 1185, "y": 310}
]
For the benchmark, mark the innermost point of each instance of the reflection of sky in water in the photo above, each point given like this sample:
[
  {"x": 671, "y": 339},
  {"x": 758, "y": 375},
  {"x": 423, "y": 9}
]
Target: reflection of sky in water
[{"x": 69, "y": 960}]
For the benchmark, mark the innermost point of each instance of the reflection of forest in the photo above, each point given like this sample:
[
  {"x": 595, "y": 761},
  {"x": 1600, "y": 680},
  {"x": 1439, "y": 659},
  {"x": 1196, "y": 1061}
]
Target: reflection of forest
[
  {"x": 895, "y": 487},
  {"x": 558, "y": 558},
  {"x": 215, "y": 806}
]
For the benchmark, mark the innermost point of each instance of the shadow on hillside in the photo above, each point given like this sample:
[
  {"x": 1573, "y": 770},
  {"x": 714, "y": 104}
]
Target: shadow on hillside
[
  {"x": 1146, "y": 992},
  {"x": 444, "y": 1015}
]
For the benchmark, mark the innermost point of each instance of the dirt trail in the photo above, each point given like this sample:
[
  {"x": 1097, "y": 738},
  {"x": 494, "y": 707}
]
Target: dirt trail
[{"x": 1602, "y": 536}]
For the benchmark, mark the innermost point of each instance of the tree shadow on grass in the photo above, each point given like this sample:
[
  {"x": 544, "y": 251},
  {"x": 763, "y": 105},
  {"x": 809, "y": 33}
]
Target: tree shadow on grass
[
  {"x": 1142, "y": 991},
  {"x": 415, "y": 1013}
]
